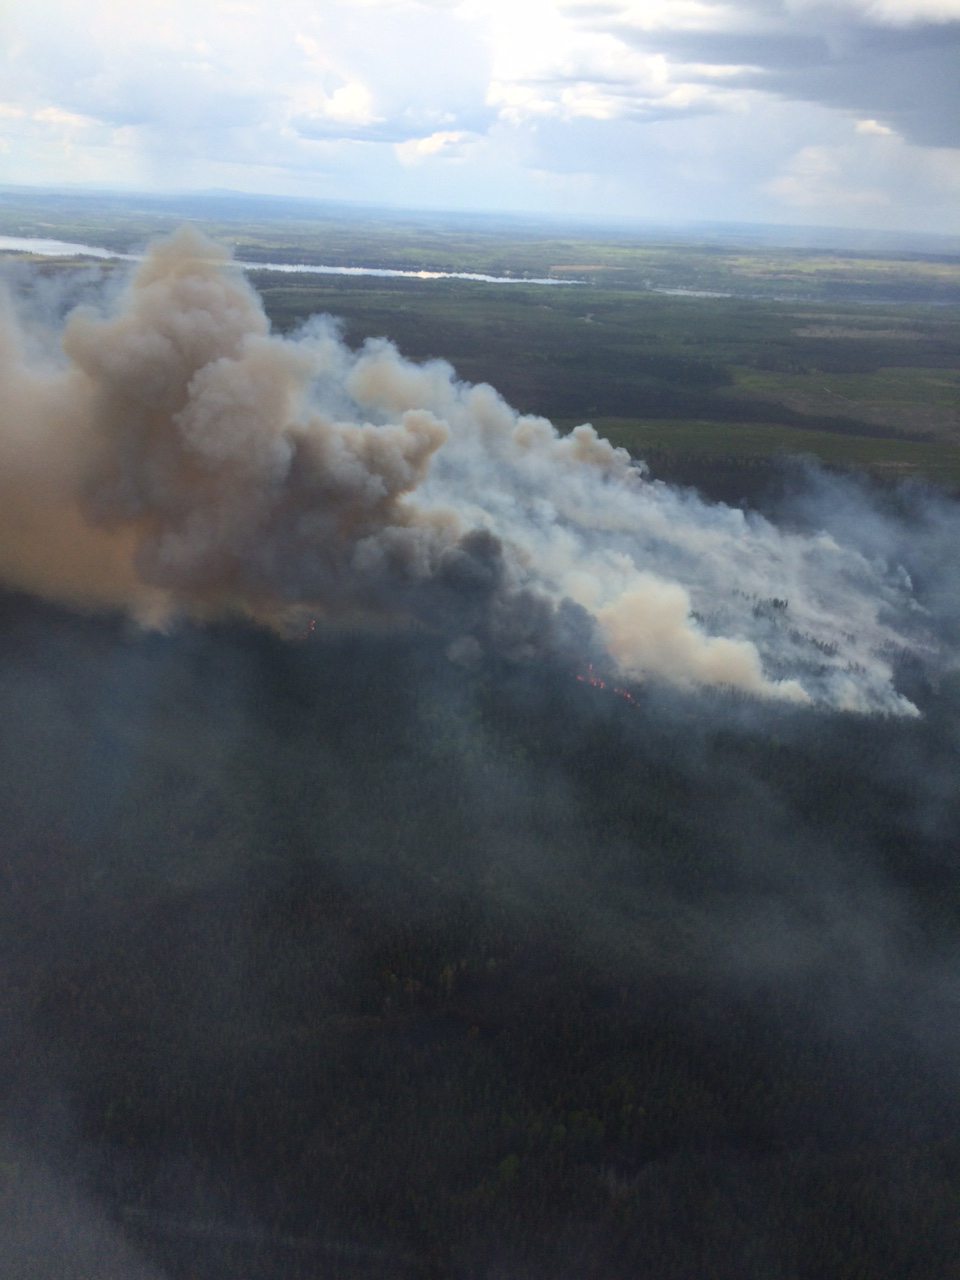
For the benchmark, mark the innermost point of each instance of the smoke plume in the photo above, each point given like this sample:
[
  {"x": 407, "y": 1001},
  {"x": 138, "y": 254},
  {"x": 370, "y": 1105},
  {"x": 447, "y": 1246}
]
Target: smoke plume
[{"x": 175, "y": 458}]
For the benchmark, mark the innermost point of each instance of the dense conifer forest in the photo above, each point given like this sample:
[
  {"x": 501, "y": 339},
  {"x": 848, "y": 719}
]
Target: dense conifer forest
[{"x": 328, "y": 957}]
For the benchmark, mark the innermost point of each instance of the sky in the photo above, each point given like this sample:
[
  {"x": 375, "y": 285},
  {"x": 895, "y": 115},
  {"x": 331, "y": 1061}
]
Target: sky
[{"x": 814, "y": 112}]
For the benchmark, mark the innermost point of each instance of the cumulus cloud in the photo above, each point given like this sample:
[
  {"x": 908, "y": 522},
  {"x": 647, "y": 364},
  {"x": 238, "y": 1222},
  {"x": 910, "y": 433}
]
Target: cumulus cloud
[
  {"x": 201, "y": 78},
  {"x": 348, "y": 99},
  {"x": 874, "y": 127},
  {"x": 885, "y": 60},
  {"x": 450, "y": 144}
]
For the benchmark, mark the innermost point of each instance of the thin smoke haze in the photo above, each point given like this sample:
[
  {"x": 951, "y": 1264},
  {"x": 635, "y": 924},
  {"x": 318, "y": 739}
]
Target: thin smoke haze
[{"x": 174, "y": 458}]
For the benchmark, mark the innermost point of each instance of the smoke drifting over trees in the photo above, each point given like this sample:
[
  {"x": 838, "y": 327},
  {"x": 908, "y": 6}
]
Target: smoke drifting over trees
[
  {"x": 389, "y": 947},
  {"x": 179, "y": 459}
]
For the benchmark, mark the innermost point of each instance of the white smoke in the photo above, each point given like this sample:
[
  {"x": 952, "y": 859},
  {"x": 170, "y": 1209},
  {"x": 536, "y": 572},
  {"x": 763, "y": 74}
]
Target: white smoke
[{"x": 180, "y": 459}]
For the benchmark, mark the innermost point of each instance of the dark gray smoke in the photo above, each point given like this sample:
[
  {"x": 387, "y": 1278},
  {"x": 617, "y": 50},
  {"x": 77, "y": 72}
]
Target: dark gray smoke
[
  {"x": 343, "y": 959},
  {"x": 339, "y": 959}
]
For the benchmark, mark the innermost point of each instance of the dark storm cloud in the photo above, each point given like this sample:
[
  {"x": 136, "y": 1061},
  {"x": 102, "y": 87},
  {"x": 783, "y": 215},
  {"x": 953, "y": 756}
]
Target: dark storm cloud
[
  {"x": 772, "y": 52},
  {"x": 915, "y": 90},
  {"x": 905, "y": 77}
]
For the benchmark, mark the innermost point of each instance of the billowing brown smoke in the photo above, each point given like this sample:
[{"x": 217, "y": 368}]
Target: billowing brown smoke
[
  {"x": 183, "y": 460},
  {"x": 154, "y": 470}
]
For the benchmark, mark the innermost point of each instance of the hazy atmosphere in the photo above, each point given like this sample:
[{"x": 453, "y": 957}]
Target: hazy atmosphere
[
  {"x": 480, "y": 640},
  {"x": 789, "y": 111}
]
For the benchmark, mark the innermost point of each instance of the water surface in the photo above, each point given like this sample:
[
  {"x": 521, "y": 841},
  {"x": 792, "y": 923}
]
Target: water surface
[{"x": 70, "y": 249}]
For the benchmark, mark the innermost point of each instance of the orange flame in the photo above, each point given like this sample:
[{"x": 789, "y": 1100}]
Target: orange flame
[{"x": 596, "y": 681}]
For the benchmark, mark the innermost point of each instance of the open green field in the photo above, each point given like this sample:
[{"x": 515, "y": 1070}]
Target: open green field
[{"x": 688, "y": 350}]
